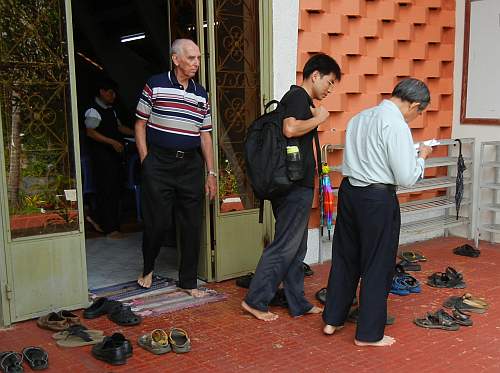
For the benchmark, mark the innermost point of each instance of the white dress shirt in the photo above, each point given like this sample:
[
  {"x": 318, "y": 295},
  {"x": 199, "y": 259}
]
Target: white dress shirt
[
  {"x": 379, "y": 148},
  {"x": 92, "y": 116}
]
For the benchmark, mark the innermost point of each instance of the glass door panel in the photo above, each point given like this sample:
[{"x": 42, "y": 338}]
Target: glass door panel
[
  {"x": 237, "y": 71},
  {"x": 36, "y": 117}
]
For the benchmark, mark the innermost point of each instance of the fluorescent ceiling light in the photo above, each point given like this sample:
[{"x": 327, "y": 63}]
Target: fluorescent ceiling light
[{"x": 126, "y": 38}]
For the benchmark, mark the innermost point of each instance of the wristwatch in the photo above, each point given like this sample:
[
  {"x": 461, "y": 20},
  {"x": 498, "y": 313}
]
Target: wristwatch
[{"x": 213, "y": 173}]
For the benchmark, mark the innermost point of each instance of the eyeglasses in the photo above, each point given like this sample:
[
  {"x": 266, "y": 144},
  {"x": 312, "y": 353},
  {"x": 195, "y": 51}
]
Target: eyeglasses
[{"x": 331, "y": 83}]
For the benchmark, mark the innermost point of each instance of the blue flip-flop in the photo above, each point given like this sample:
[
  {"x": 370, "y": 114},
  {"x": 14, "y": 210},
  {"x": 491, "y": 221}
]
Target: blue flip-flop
[
  {"x": 412, "y": 283},
  {"x": 399, "y": 287}
]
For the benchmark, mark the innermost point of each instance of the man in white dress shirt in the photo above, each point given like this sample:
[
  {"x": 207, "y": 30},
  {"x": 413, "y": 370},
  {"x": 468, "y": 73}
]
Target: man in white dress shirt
[{"x": 379, "y": 156}]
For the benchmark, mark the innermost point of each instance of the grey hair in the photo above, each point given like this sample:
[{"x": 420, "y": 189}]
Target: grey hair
[
  {"x": 178, "y": 46},
  {"x": 413, "y": 90}
]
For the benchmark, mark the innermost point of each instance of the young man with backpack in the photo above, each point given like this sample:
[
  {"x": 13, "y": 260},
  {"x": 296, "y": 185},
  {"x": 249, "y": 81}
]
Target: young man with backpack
[{"x": 282, "y": 260}]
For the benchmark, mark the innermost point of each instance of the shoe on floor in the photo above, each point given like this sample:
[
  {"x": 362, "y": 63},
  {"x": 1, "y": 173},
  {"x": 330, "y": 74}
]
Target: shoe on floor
[
  {"x": 53, "y": 321},
  {"x": 101, "y": 306},
  {"x": 111, "y": 350},
  {"x": 11, "y": 362},
  {"x": 36, "y": 357},
  {"x": 466, "y": 250},
  {"x": 437, "y": 320},
  {"x": 321, "y": 295},
  {"x": 354, "y": 315},
  {"x": 179, "y": 340},
  {"x": 408, "y": 266},
  {"x": 155, "y": 342},
  {"x": 279, "y": 299},
  {"x": 307, "y": 269},
  {"x": 70, "y": 317},
  {"x": 244, "y": 281}
]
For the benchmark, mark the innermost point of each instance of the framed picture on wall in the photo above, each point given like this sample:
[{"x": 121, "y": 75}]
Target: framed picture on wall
[{"x": 480, "y": 102}]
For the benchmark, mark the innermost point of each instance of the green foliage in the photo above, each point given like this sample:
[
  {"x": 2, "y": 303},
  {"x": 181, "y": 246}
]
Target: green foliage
[{"x": 228, "y": 184}]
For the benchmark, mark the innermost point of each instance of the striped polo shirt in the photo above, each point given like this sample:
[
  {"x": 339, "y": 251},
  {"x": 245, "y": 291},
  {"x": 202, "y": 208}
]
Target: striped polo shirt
[{"x": 175, "y": 116}]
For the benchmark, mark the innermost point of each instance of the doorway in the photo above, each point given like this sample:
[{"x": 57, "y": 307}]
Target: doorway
[{"x": 128, "y": 41}]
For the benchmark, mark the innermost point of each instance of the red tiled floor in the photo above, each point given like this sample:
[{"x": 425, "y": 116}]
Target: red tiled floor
[{"x": 226, "y": 340}]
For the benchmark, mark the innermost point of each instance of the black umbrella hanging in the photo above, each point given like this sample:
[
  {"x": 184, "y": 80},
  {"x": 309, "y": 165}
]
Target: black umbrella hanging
[{"x": 459, "y": 192}]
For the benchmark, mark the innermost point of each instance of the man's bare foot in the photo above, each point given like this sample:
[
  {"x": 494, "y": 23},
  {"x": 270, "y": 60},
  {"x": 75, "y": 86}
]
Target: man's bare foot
[
  {"x": 265, "y": 316},
  {"x": 115, "y": 235},
  {"x": 315, "y": 310},
  {"x": 330, "y": 329},
  {"x": 197, "y": 293},
  {"x": 146, "y": 281},
  {"x": 385, "y": 341}
]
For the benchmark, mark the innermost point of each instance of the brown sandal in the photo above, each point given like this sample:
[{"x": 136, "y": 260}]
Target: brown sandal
[{"x": 53, "y": 321}]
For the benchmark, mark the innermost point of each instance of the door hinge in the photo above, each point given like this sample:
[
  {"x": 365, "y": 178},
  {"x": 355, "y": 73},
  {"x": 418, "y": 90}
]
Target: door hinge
[
  {"x": 213, "y": 256},
  {"x": 8, "y": 291}
]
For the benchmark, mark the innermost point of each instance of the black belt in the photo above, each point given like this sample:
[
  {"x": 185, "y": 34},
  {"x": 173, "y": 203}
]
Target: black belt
[
  {"x": 176, "y": 153},
  {"x": 389, "y": 187}
]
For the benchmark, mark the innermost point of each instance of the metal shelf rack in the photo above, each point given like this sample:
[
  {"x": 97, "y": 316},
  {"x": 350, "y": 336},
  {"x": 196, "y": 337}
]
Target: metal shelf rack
[
  {"x": 444, "y": 204},
  {"x": 489, "y": 149}
]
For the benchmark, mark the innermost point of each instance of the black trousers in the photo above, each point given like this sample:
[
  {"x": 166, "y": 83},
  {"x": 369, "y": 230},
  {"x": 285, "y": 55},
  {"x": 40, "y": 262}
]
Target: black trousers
[
  {"x": 175, "y": 183},
  {"x": 107, "y": 167},
  {"x": 365, "y": 243},
  {"x": 282, "y": 260}
]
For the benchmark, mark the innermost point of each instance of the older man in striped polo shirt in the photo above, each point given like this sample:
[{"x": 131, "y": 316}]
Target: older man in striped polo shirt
[{"x": 174, "y": 142}]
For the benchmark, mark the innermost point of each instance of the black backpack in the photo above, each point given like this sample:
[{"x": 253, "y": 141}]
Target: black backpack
[{"x": 265, "y": 155}]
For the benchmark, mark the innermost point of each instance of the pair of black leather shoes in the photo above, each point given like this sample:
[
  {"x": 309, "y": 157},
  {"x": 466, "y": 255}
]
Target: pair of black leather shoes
[
  {"x": 114, "y": 350},
  {"x": 117, "y": 312},
  {"x": 101, "y": 306}
]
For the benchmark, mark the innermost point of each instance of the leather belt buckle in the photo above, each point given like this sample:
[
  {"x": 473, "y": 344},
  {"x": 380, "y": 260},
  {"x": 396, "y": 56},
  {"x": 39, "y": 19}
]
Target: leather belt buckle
[{"x": 179, "y": 154}]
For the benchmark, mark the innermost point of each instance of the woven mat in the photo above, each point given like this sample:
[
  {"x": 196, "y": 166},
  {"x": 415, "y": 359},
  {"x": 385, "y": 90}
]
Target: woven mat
[
  {"x": 170, "y": 300},
  {"x": 131, "y": 289}
]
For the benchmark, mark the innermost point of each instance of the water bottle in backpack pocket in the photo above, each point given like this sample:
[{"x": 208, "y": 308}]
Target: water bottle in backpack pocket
[{"x": 294, "y": 166}]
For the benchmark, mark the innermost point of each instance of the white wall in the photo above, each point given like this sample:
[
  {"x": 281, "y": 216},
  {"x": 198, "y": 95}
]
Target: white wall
[
  {"x": 479, "y": 132},
  {"x": 285, "y": 34}
]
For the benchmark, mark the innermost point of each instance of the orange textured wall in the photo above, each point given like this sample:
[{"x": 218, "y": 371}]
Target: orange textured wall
[{"x": 377, "y": 43}]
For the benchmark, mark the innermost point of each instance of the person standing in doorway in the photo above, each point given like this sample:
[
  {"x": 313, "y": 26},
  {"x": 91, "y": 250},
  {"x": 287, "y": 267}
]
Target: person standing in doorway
[
  {"x": 174, "y": 143},
  {"x": 282, "y": 260},
  {"x": 105, "y": 133},
  {"x": 379, "y": 155}
]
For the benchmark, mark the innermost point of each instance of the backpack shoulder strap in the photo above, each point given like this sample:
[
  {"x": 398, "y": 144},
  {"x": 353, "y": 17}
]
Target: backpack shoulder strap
[{"x": 261, "y": 211}]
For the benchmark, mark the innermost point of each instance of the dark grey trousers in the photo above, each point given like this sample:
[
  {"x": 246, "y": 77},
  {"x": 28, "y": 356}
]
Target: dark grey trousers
[
  {"x": 282, "y": 260},
  {"x": 365, "y": 243}
]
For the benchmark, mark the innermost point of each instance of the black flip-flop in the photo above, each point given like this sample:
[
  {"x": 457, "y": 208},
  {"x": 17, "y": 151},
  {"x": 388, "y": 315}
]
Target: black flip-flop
[
  {"x": 467, "y": 250},
  {"x": 36, "y": 357},
  {"x": 321, "y": 295},
  {"x": 408, "y": 266},
  {"x": 437, "y": 320},
  {"x": 354, "y": 315},
  {"x": 10, "y": 362},
  {"x": 244, "y": 281},
  {"x": 412, "y": 256},
  {"x": 461, "y": 318},
  {"x": 307, "y": 270},
  {"x": 279, "y": 299}
]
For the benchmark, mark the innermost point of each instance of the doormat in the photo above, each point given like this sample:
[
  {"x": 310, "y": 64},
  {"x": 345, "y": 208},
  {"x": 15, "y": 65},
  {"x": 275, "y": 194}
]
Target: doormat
[
  {"x": 170, "y": 300},
  {"x": 131, "y": 289}
]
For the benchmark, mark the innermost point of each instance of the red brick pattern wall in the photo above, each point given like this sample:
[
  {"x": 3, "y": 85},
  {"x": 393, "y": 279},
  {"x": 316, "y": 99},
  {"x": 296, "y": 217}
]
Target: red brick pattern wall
[{"x": 377, "y": 43}]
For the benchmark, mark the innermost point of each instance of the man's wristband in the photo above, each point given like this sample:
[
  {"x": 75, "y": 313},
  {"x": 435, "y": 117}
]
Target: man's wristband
[{"x": 212, "y": 173}]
